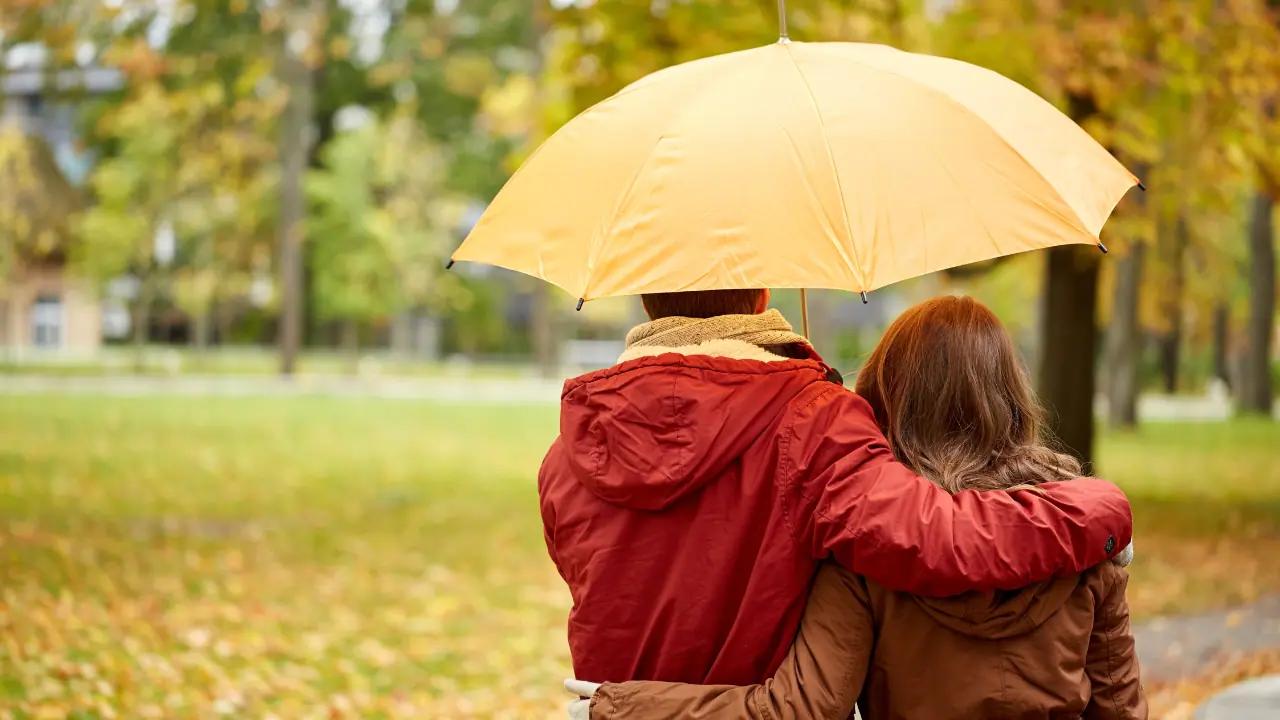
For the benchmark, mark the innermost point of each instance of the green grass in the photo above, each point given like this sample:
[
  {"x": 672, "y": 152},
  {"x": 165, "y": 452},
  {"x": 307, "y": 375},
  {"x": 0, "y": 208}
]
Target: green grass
[
  {"x": 1202, "y": 477},
  {"x": 322, "y": 557},
  {"x": 1206, "y": 500}
]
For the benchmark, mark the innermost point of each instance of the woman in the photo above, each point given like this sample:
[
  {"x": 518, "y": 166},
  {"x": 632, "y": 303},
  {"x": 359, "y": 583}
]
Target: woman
[{"x": 956, "y": 405}]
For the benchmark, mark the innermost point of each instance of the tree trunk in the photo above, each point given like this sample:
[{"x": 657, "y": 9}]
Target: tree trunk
[
  {"x": 223, "y": 321},
  {"x": 8, "y": 343},
  {"x": 142, "y": 322},
  {"x": 202, "y": 328},
  {"x": 1168, "y": 353},
  {"x": 1068, "y": 341},
  {"x": 1221, "y": 328},
  {"x": 1255, "y": 390},
  {"x": 543, "y": 330},
  {"x": 1170, "y": 343},
  {"x": 351, "y": 344},
  {"x": 295, "y": 141},
  {"x": 1124, "y": 342}
]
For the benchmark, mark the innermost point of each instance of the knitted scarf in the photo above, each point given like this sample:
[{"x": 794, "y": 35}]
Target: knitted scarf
[{"x": 765, "y": 329}]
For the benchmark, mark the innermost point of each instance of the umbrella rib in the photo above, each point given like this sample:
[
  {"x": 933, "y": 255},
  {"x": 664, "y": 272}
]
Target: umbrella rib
[{"x": 854, "y": 264}]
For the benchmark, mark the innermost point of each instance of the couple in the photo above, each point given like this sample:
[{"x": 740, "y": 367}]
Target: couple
[{"x": 726, "y": 513}]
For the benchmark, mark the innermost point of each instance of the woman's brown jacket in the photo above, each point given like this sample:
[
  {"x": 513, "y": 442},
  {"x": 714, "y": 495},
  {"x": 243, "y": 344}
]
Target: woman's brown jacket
[{"x": 1059, "y": 649}]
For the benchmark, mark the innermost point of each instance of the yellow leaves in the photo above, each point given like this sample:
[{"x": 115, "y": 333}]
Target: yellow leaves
[
  {"x": 340, "y": 47},
  {"x": 150, "y": 594},
  {"x": 136, "y": 59},
  {"x": 1179, "y": 699},
  {"x": 509, "y": 108},
  {"x": 271, "y": 18},
  {"x": 468, "y": 73},
  {"x": 60, "y": 40},
  {"x": 196, "y": 638},
  {"x": 36, "y": 201},
  {"x": 431, "y": 47},
  {"x": 387, "y": 73}
]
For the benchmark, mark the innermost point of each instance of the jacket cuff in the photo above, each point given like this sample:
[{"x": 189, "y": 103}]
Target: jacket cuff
[{"x": 606, "y": 702}]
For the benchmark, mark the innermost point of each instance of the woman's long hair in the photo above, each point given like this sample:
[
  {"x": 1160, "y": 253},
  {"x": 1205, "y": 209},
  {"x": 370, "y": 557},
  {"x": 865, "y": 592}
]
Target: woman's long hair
[{"x": 955, "y": 402}]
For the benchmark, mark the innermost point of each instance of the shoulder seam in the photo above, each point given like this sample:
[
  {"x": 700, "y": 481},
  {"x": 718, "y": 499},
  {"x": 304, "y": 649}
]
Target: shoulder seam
[{"x": 786, "y": 472}]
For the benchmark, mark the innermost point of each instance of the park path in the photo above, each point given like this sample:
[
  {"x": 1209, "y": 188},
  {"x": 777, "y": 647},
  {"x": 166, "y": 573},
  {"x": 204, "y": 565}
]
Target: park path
[
  {"x": 463, "y": 388},
  {"x": 1185, "y": 645}
]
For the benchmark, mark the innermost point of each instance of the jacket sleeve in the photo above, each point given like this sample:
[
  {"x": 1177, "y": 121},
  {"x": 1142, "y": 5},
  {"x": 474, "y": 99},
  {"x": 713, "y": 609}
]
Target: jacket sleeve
[
  {"x": 1112, "y": 662},
  {"x": 819, "y": 680},
  {"x": 546, "y": 509},
  {"x": 844, "y": 495}
]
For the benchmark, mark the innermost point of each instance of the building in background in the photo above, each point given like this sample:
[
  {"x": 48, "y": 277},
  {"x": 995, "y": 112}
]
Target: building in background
[{"x": 44, "y": 308}]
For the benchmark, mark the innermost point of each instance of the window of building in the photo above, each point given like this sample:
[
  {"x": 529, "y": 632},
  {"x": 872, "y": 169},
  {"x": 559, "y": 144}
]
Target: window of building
[{"x": 47, "y": 322}]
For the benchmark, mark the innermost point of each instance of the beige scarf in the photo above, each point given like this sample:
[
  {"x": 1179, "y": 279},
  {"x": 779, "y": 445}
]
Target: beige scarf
[{"x": 767, "y": 328}]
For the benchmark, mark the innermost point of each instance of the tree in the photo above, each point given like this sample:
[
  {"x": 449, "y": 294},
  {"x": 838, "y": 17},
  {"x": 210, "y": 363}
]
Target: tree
[
  {"x": 1256, "y": 392},
  {"x": 1047, "y": 53},
  {"x": 378, "y": 225},
  {"x": 1123, "y": 342},
  {"x": 225, "y": 215},
  {"x": 135, "y": 191},
  {"x": 36, "y": 204},
  {"x": 354, "y": 274},
  {"x": 1254, "y": 59},
  {"x": 296, "y": 136},
  {"x": 226, "y": 219},
  {"x": 1139, "y": 76},
  {"x": 1068, "y": 342}
]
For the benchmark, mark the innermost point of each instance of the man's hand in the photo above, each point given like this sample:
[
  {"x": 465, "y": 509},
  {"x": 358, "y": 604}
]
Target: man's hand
[{"x": 580, "y": 709}]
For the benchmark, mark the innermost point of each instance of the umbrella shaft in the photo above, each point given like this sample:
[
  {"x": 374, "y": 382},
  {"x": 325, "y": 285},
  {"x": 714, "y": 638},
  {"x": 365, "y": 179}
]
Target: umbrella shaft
[
  {"x": 782, "y": 20},
  {"x": 804, "y": 312}
]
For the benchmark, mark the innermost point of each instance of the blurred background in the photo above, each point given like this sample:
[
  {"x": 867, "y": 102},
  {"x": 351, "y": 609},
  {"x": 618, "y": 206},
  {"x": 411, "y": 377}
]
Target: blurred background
[{"x": 261, "y": 455}]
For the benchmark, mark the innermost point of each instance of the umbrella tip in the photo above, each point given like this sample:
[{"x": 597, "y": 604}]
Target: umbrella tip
[
  {"x": 1103, "y": 248},
  {"x": 1142, "y": 186},
  {"x": 864, "y": 297},
  {"x": 449, "y": 265},
  {"x": 580, "y": 301}
]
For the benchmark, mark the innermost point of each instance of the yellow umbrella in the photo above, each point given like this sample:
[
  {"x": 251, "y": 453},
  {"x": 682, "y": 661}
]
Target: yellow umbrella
[{"x": 796, "y": 165}]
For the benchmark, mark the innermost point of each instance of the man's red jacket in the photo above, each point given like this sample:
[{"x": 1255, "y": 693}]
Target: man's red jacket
[{"x": 689, "y": 499}]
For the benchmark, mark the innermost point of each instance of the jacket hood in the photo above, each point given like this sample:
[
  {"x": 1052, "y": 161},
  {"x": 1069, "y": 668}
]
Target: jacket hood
[
  {"x": 1000, "y": 614},
  {"x": 665, "y": 421}
]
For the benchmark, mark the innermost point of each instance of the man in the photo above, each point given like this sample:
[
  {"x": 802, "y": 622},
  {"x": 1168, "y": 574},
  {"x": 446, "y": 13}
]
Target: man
[{"x": 696, "y": 484}]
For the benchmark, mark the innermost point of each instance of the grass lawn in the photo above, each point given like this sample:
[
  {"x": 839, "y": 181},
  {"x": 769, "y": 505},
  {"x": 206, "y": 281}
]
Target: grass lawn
[
  {"x": 322, "y": 557},
  {"x": 1206, "y": 499}
]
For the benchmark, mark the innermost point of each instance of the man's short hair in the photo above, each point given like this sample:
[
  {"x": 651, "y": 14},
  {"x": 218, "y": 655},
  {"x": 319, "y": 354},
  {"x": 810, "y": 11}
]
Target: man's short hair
[{"x": 702, "y": 303}]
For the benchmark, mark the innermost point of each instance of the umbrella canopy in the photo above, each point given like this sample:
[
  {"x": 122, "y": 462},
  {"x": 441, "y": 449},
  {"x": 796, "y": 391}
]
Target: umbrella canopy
[{"x": 827, "y": 165}]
